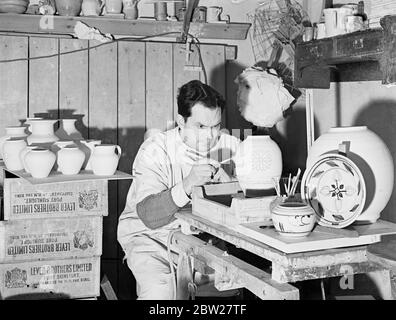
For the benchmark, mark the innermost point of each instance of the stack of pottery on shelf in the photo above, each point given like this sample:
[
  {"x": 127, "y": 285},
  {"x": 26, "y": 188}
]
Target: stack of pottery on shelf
[
  {"x": 65, "y": 150},
  {"x": 352, "y": 186}
]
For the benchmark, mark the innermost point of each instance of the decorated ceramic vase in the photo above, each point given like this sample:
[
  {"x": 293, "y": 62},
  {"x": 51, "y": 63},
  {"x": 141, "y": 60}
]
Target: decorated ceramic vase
[
  {"x": 39, "y": 162},
  {"x": 12, "y": 132},
  {"x": 88, "y": 146},
  {"x": 293, "y": 219},
  {"x": 258, "y": 161},
  {"x": 104, "y": 160},
  {"x": 12, "y": 147},
  {"x": 42, "y": 132},
  {"x": 70, "y": 160},
  {"x": 372, "y": 157},
  {"x": 68, "y": 131},
  {"x": 68, "y": 7}
]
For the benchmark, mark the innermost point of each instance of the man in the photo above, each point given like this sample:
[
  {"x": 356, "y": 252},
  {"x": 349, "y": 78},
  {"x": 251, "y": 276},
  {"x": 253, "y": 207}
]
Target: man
[{"x": 166, "y": 168}]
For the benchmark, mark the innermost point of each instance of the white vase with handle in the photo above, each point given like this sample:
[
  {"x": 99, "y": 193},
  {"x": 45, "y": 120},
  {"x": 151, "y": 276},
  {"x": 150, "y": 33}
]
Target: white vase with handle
[
  {"x": 104, "y": 160},
  {"x": 11, "y": 151},
  {"x": 12, "y": 132}
]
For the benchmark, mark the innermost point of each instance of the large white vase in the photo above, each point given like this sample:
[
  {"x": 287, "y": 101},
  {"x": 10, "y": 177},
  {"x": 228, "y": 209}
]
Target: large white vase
[
  {"x": 258, "y": 161},
  {"x": 373, "y": 158},
  {"x": 42, "y": 131}
]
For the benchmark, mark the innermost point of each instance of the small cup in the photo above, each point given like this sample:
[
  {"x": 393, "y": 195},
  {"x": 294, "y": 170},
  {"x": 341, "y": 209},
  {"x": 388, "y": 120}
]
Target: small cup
[{"x": 308, "y": 34}]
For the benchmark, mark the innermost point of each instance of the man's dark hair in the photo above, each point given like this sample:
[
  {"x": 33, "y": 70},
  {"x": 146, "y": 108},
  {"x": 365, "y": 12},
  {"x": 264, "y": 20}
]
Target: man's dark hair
[{"x": 196, "y": 91}]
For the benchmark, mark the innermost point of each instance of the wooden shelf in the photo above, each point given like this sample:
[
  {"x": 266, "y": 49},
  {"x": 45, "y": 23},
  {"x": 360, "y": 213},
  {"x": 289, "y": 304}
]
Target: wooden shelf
[
  {"x": 31, "y": 24},
  {"x": 350, "y": 57}
]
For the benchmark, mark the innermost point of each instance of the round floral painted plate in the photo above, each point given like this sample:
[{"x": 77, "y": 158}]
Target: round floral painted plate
[{"x": 335, "y": 188}]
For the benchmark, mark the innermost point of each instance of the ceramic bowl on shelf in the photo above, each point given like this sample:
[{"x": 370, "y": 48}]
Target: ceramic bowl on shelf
[{"x": 13, "y": 6}]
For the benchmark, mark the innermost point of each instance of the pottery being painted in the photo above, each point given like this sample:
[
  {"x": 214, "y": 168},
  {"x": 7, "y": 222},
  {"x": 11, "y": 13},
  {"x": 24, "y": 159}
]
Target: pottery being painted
[
  {"x": 258, "y": 161},
  {"x": 39, "y": 162},
  {"x": 293, "y": 219},
  {"x": 372, "y": 157}
]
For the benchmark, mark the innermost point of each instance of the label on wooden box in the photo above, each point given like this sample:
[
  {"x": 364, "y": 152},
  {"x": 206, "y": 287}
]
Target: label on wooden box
[
  {"x": 68, "y": 278},
  {"x": 58, "y": 238},
  {"x": 23, "y": 200}
]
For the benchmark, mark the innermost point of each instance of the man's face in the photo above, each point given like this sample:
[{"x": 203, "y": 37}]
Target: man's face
[{"x": 201, "y": 130}]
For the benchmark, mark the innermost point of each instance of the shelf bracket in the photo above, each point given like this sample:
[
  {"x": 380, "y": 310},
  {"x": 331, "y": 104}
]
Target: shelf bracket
[{"x": 191, "y": 5}]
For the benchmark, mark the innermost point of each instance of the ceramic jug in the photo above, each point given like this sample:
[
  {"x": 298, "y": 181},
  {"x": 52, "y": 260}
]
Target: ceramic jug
[
  {"x": 11, "y": 150},
  {"x": 88, "y": 146},
  {"x": 104, "y": 160},
  {"x": 258, "y": 161},
  {"x": 371, "y": 155},
  {"x": 58, "y": 145},
  {"x": 39, "y": 162},
  {"x": 22, "y": 156},
  {"x": 68, "y": 131},
  {"x": 42, "y": 131},
  {"x": 70, "y": 159},
  {"x": 12, "y": 132},
  {"x": 92, "y": 7}
]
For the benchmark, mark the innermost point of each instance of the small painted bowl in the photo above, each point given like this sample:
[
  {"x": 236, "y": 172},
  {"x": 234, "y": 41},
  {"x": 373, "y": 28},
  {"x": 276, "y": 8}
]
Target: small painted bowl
[{"x": 293, "y": 219}]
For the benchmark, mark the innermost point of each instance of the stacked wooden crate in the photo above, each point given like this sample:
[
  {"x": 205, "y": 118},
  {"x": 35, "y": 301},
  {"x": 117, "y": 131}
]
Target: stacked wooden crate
[{"x": 51, "y": 238}]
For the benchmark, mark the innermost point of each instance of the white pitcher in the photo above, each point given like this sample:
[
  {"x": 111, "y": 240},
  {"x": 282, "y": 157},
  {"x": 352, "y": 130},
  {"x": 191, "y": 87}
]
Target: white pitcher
[
  {"x": 11, "y": 150},
  {"x": 104, "y": 160},
  {"x": 88, "y": 146}
]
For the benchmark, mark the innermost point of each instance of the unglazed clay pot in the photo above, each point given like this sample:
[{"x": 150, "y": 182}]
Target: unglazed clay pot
[
  {"x": 42, "y": 131},
  {"x": 12, "y": 132},
  {"x": 293, "y": 219},
  {"x": 258, "y": 161},
  {"x": 58, "y": 145},
  {"x": 104, "y": 160},
  {"x": 11, "y": 150},
  {"x": 68, "y": 131},
  {"x": 39, "y": 162},
  {"x": 70, "y": 159},
  {"x": 372, "y": 157},
  {"x": 22, "y": 156}
]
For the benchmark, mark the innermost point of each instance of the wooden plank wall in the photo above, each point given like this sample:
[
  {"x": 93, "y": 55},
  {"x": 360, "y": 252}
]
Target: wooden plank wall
[{"x": 116, "y": 91}]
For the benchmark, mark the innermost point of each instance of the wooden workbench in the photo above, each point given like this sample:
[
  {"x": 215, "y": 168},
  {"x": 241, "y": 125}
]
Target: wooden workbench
[{"x": 286, "y": 267}]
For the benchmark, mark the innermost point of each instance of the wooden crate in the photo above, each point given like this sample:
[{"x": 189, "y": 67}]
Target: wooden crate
[
  {"x": 55, "y": 238},
  {"x": 225, "y": 204},
  {"x": 67, "y": 278},
  {"x": 23, "y": 200}
]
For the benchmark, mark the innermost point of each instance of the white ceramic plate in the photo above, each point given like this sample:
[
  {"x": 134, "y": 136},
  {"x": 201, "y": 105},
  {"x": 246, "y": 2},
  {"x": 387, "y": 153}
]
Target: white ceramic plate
[{"x": 335, "y": 188}]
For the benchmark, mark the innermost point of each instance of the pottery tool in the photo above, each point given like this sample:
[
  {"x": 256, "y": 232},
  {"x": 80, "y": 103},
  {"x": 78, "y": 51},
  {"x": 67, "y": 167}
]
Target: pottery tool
[
  {"x": 295, "y": 182},
  {"x": 288, "y": 185},
  {"x": 277, "y": 187}
]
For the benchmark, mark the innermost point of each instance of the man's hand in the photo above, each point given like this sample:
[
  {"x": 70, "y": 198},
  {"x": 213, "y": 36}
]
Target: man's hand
[{"x": 201, "y": 172}]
